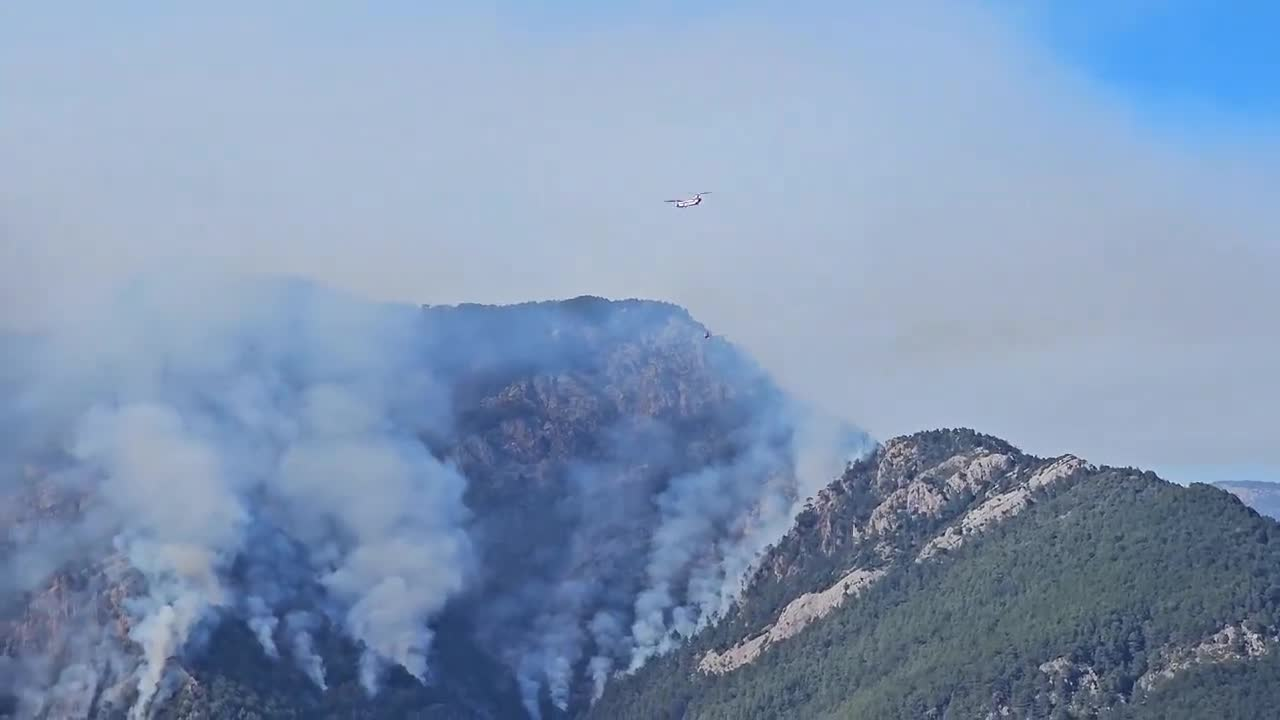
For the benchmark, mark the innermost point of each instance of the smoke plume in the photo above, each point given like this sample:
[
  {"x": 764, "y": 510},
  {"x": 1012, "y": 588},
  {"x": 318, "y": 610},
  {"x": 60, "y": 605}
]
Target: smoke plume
[
  {"x": 662, "y": 533},
  {"x": 215, "y": 420},
  {"x": 267, "y": 450}
]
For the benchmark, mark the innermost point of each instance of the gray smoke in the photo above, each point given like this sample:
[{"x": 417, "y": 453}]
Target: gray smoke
[
  {"x": 207, "y": 413},
  {"x": 60, "y": 675},
  {"x": 655, "y": 556},
  {"x": 703, "y": 526},
  {"x": 609, "y": 633},
  {"x": 715, "y": 524},
  {"x": 255, "y": 448},
  {"x": 607, "y": 507},
  {"x": 149, "y": 458},
  {"x": 404, "y": 559},
  {"x": 300, "y": 626}
]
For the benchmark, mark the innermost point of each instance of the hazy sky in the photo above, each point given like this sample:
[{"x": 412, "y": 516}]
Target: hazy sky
[
  {"x": 1178, "y": 58},
  {"x": 1052, "y": 222}
]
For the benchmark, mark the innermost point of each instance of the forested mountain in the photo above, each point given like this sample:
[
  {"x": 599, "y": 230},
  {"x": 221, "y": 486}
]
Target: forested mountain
[
  {"x": 309, "y": 506},
  {"x": 286, "y": 503},
  {"x": 950, "y": 575}
]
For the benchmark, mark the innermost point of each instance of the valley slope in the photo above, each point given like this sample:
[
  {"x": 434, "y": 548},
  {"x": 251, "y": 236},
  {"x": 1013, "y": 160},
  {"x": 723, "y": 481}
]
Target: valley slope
[
  {"x": 617, "y": 472},
  {"x": 950, "y": 575}
]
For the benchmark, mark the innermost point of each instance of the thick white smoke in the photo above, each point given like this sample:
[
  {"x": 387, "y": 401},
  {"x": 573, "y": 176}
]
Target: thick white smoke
[
  {"x": 300, "y": 626},
  {"x": 374, "y": 484},
  {"x": 586, "y": 600},
  {"x": 256, "y": 449},
  {"x": 276, "y": 425},
  {"x": 144, "y": 452},
  {"x": 653, "y": 560},
  {"x": 712, "y": 525}
]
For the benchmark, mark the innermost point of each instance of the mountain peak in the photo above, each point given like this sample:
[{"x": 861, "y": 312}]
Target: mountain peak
[
  {"x": 915, "y": 484},
  {"x": 584, "y": 307},
  {"x": 955, "y": 440},
  {"x": 949, "y": 574},
  {"x": 529, "y": 477}
]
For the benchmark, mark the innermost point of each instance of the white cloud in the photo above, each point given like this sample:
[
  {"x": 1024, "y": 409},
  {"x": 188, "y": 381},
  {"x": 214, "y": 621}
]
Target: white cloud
[{"x": 918, "y": 219}]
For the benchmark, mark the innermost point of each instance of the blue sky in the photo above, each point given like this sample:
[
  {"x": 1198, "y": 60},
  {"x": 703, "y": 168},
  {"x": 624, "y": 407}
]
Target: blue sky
[
  {"x": 1180, "y": 61},
  {"x": 1206, "y": 66}
]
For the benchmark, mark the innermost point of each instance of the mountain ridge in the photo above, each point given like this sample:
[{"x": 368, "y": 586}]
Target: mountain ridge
[
  {"x": 856, "y": 550},
  {"x": 587, "y": 432},
  {"x": 604, "y": 514}
]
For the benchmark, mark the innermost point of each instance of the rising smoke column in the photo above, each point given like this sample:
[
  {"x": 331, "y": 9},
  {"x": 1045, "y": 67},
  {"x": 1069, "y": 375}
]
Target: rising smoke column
[
  {"x": 580, "y": 606},
  {"x": 645, "y": 571},
  {"x": 666, "y": 530},
  {"x": 145, "y": 451},
  {"x": 715, "y": 524},
  {"x": 308, "y": 409},
  {"x": 213, "y": 411},
  {"x": 704, "y": 542},
  {"x": 401, "y": 563}
]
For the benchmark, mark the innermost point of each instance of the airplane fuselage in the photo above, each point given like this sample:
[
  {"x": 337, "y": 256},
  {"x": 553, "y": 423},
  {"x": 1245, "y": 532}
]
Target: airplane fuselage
[{"x": 688, "y": 202}]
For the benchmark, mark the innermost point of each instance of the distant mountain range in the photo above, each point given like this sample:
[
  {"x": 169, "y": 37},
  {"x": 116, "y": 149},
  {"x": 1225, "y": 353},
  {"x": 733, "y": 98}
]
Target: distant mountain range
[{"x": 1261, "y": 496}]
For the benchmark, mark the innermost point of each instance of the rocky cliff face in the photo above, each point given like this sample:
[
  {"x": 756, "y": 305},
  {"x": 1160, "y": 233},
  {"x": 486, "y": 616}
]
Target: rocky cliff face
[
  {"x": 621, "y": 471},
  {"x": 915, "y": 498},
  {"x": 949, "y": 574}
]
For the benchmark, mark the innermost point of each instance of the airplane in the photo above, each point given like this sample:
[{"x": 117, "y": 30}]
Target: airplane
[{"x": 689, "y": 202}]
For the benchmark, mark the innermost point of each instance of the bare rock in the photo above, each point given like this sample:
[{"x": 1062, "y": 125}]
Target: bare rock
[{"x": 796, "y": 616}]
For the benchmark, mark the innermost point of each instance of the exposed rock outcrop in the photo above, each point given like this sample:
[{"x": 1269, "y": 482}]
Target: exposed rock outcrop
[
  {"x": 798, "y": 614},
  {"x": 1074, "y": 685},
  {"x": 882, "y": 505},
  {"x": 1001, "y": 506},
  {"x": 1231, "y": 643}
]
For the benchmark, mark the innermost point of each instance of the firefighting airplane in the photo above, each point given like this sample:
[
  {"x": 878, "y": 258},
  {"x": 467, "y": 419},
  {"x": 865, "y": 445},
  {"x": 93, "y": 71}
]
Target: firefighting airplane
[{"x": 689, "y": 202}]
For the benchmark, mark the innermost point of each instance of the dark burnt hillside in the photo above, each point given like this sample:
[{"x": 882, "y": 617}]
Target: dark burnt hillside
[{"x": 567, "y": 420}]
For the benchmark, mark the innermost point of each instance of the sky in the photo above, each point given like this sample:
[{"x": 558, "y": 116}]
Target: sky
[
  {"x": 1053, "y": 222},
  {"x": 1187, "y": 63}
]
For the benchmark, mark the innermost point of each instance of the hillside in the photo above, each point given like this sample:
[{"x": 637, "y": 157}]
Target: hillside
[
  {"x": 287, "y": 503},
  {"x": 950, "y": 575},
  {"x": 340, "y": 509}
]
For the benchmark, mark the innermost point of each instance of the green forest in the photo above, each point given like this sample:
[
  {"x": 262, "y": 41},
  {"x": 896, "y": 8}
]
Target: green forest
[{"x": 1105, "y": 573}]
